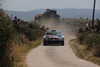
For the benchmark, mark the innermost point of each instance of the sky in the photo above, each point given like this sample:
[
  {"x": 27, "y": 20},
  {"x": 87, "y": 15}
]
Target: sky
[{"x": 27, "y": 5}]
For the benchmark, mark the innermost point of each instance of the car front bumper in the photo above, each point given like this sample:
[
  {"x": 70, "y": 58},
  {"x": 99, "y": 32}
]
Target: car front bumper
[{"x": 54, "y": 41}]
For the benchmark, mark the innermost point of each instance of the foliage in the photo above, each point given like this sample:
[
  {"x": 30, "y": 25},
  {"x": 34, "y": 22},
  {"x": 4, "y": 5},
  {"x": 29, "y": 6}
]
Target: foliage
[
  {"x": 91, "y": 39},
  {"x": 80, "y": 30},
  {"x": 6, "y": 32},
  {"x": 81, "y": 37},
  {"x": 98, "y": 25},
  {"x": 31, "y": 31},
  {"x": 34, "y": 25},
  {"x": 82, "y": 52},
  {"x": 11, "y": 34}
]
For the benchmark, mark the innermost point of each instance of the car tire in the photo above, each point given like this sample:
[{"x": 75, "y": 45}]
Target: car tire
[
  {"x": 44, "y": 43},
  {"x": 62, "y": 43}
]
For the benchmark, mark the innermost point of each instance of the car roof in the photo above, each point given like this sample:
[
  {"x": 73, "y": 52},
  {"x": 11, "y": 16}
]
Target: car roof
[{"x": 53, "y": 30}]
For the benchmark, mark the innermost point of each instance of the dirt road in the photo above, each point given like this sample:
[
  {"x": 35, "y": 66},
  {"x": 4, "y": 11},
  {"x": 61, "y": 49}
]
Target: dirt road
[{"x": 56, "y": 56}]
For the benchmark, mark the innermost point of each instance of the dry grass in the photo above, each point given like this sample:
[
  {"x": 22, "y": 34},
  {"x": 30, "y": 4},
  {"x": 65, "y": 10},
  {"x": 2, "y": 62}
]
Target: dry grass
[
  {"x": 82, "y": 52},
  {"x": 18, "y": 51}
]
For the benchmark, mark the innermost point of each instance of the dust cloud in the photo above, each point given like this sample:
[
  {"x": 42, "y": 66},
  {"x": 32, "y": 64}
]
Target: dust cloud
[{"x": 65, "y": 27}]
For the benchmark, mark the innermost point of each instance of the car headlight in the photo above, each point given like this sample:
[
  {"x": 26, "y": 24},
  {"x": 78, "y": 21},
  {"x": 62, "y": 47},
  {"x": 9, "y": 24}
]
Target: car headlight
[{"x": 46, "y": 37}]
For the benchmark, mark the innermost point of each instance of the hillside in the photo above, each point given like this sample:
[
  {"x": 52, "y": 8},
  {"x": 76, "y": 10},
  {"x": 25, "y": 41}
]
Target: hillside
[{"x": 64, "y": 13}]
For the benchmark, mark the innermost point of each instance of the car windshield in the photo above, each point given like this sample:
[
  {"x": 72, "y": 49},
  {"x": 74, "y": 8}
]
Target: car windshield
[{"x": 53, "y": 33}]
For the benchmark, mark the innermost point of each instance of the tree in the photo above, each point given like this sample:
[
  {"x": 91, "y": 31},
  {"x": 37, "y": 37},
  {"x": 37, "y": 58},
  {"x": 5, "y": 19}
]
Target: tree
[{"x": 6, "y": 31}]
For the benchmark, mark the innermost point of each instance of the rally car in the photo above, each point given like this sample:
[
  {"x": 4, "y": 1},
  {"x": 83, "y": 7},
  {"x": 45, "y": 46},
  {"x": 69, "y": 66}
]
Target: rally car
[{"x": 53, "y": 37}]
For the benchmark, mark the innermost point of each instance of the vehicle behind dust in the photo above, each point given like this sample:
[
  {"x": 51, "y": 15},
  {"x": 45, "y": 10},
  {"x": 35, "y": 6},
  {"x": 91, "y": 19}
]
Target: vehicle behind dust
[{"x": 53, "y": 38}]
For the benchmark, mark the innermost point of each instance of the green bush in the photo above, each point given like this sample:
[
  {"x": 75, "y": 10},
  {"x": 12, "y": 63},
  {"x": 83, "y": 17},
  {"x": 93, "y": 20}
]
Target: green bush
[
  {"x": 31, "y": 31},
  {"x": 93, "y": 42},
  {"x": 92, "y": 39},
  {"x": 6, "y": 32},
  {"x": 9, "y": 34},
  {"x": 98, "y": 25},
  {"x": 34, "y": 25},
  {"x": 81, "y": 37},
  {"x": 80, "y": 30}
]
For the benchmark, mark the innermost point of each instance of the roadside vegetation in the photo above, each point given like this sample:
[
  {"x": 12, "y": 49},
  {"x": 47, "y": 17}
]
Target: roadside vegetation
[
  {"x": 17, "y": 37},
  {"x": 87, "y": 44}
]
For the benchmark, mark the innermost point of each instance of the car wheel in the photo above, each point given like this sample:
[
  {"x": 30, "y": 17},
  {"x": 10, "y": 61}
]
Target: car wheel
[
  {"x": 62, "y": 43},
  {"x": 44, "y": 43}
]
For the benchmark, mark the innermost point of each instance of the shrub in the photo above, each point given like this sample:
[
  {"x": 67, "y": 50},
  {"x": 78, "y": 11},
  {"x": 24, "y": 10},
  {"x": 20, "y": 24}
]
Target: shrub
[
  {"x": 98, "y": 25},
  {"x": 80, "y": 30},
  {"x": 92, "y": 41},
  {"x": 88, "y": 40},
  {"x": 6, "y": 32},
  {"x": 31, "y": 31},
  {"x": 81, "y": 37},
  {"x": 34, "y": 25}
]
